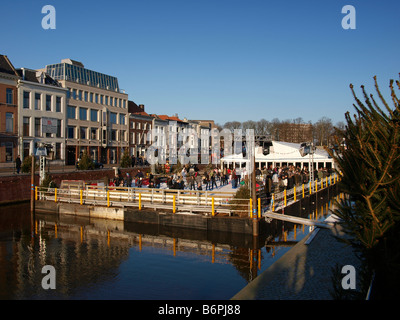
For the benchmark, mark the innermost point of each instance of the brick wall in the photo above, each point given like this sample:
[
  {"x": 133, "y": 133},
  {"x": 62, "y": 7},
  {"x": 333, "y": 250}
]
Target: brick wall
[{"x": 18, "y": 188}]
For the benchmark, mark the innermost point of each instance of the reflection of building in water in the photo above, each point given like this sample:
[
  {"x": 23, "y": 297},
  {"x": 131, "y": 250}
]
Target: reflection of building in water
[
  {"x": 88, "y": 253},
  {"x": 77, "y": 264}
]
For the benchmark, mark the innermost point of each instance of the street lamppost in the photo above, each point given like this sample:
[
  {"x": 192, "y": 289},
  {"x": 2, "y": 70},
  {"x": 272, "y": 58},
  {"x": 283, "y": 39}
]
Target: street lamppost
[{"x": 308, "y": 148}]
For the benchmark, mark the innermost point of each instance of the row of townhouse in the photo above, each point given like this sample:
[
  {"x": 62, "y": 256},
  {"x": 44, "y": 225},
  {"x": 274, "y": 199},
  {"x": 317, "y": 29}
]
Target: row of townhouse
[{"x": 70, "y": 109}]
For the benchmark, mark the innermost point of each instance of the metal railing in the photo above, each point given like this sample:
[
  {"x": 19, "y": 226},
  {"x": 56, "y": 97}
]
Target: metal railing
[{"x": 179, "y": 200}]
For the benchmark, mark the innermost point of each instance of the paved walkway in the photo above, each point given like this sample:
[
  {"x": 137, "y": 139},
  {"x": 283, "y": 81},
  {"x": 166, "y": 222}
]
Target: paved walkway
[{"x": 305, "y": 271}]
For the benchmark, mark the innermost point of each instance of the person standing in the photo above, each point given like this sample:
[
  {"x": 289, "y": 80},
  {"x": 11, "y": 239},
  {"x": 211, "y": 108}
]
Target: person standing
[{"x": 18, "y": 164}]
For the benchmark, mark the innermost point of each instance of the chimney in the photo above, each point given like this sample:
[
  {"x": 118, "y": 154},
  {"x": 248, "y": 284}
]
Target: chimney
[{"x": 141, "y": 106}]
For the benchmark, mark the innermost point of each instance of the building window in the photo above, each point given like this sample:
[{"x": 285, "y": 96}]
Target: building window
[
  {"x": 101, "y": 99},
  {"x": 9, "y": 122},
  {"x": 121, "y": 118},
  {"x": 96, "y": 98},
  {"x": 48, "y": 102},
  {"x": 27, "y": 147},
  {"x": 80, "y": 94},
  {"x": 113, "y": 135},
  {"x": 37, "y": 101},
  {"x": 83, "y": 131},
  {"x": 86, "y": 96},
  {"x": 106, "y": 102},
  {"x": 37, "y": 127},
  {"x": 59, "y": 123},
  {"x": 71, "y": 132},
  {"x": 58, "y": 151},
  {"x": 122, "y": 135},
  {"x": 113, "y": 117},
  {"x": 58, "y": 104},
  {"x": 111, "y": 101},
  {"x": 73, "y": 93},
  {"x": 9, "y": 152},
  {"x": 93, "y": 115},
  {"x": 71, "y": 112},
  {"x": 25, "y": 128},
  {"x": 9, "y": 96},
  {"x": 27, "y": 96},
  {"x": 91, "y": 97},
  {"x": 93, "y": 133},
  {"x": 138, "y": 126},
  {"x": 83, "y": 113},
  {"x": 132, "y": 124}
]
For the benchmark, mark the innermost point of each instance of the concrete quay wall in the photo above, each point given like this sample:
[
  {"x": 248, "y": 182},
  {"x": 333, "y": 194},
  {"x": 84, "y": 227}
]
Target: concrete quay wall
[{"x": 194, "y": 221}]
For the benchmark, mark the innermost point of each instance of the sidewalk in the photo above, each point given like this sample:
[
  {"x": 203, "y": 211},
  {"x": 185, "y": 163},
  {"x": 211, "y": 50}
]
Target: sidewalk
[{"x": 304, "y": 272}]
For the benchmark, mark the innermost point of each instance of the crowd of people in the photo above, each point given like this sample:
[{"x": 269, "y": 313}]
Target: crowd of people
[{"x": 191, "y": 178}]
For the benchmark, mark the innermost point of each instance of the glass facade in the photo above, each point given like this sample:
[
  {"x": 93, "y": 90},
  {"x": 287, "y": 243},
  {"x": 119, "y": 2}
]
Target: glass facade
[{"x": 69, "y": 72}]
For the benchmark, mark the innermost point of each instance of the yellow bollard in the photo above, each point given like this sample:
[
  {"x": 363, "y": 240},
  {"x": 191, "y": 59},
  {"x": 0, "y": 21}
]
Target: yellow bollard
[
  {"x": 310, "y": 188},
  {"x": 251, "y": 207},
  {"x": 303, "y": 189},
  {"x": 81, "y": 196},
  {"x": 55, "y": 195},
  {"x": 294, "y": 193},
  {"x": 36, "y": 193},
  {"x": 140, "y": 201},
  {"x": 212, "y": 206},
  {"x": 316, "y": 186},
  {"x": 173, "y": 204},
  {"x": 259, "y": 208},
  {"x": 273, "y": 202},
  {"x": 108, "y": 198},
  {"x": 285, "y": 197},
  {"x": 81, "y": 234},
  {"x": 108, "y": 238},
  {"x": 55, "y": 229}
]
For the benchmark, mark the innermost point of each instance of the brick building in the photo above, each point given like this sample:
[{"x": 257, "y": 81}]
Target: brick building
[{"x": 8, "y": 111}]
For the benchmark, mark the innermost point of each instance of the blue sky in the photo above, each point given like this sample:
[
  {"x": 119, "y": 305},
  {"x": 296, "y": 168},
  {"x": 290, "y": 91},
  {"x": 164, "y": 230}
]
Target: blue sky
[{"x": 224, "y": 60}]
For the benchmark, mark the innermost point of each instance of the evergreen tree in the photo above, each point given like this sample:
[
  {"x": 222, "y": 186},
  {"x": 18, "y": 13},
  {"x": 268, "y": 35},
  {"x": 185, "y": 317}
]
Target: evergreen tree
[
  {"x": 368, "y": 157},
  {"x": 126, "y": 159},
  {"x": 85, "y": 162}
]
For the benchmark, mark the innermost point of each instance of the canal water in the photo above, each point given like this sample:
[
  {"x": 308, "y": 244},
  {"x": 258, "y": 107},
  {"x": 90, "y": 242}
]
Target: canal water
[{"x": 102, "y": 259}]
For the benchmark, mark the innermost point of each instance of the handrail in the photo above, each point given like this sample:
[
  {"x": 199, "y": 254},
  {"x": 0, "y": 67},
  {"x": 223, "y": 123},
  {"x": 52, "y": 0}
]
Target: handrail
[{"x": 197, "y": 199}]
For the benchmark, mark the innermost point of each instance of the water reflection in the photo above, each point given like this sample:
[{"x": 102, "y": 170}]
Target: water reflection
[{"x": 103, "y": 259}]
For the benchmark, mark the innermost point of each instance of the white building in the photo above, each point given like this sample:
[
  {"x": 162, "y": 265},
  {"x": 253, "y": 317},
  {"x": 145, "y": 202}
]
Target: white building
[
  {"x": 41, "y": 114},
  {"x": 280, "y": 154}
]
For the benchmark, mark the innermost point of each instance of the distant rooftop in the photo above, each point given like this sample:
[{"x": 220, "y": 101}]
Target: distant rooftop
[
  {"x": 74, "y": 71},
  {"x": 6, "y": 66}
]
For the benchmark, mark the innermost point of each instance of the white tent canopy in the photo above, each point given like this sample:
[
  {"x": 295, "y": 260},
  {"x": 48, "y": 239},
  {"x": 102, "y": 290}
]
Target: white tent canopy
[{"x": 281, "y": 153}]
